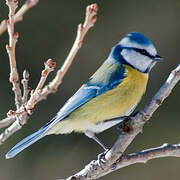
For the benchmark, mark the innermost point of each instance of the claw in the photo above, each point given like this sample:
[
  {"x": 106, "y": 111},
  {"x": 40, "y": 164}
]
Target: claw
[{"x": 102, "y": 158}]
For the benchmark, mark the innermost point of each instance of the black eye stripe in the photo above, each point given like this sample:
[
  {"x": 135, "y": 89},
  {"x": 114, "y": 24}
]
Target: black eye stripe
[
  {"x": 141, "y": 51},
  {"x": 144, "y": 52}
]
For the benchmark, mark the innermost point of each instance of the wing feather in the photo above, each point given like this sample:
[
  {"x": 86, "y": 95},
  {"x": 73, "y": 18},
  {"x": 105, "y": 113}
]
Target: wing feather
[{"x": 95, "y": 86}]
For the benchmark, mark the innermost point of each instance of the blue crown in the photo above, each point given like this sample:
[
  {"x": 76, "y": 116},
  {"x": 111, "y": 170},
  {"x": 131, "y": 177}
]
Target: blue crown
[{"x": 138, "y": 38}]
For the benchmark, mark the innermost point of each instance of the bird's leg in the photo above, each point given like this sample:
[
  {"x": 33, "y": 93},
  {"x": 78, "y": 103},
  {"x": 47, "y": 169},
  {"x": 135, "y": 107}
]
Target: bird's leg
[
  {"x": 101, "y": 157},
  {"x": 92, "y": 135}
]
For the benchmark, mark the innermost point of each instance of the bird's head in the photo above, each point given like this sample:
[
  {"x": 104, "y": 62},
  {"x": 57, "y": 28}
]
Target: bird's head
[{"x": 136, "y": 50}]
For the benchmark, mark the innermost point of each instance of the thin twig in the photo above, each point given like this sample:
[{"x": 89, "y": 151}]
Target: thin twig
[
  {"x": 26, "y": 88},
  {"x": 19, "y": 15},
  {"x": 166, "y": 150},
  {"x": 49, "y": 66},
  {"x": 9, "y": 131},
  {"x": 91, "y": 17},
  {"x": 3, "y": 26},
  {"x": 95, "y": 170},
  {"x": 22, "y": 114},
  {"x": 7, "y": 121},
  {"x": 40, "y": 93},
  {"x": 14, "y": 127},
  {"x": 144, "y": 156},
  {"x": 14, "y": 76}
]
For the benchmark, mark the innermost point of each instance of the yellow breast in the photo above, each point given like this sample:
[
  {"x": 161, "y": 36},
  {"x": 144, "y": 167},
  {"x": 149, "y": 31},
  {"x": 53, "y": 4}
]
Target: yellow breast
[{"x": 111, "y": 104}]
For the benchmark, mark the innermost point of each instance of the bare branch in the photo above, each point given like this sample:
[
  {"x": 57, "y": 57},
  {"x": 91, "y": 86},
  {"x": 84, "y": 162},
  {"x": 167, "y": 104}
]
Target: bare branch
[
  {"x": 49, "y": 66},
  {"x": 135, "y": 124},
  {"x": 19, "y": 15},
  {"x": 5, "y": 122},
  {"x": 166, "y": 150},
  {"x": 26, "y": 89},
  {"x": 9, "y": 131},
  {"x": 14, "y": 77},
  {"x": 17, "y": 125},
  {"x": 91, "y": 17},
  {"x": 3, "y": 26},
  {"x": 22, "y": 113}
]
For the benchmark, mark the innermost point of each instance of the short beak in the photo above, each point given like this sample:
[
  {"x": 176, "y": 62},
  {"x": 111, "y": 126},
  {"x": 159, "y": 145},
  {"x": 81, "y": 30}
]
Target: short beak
[{"x": 158, "y": 58}]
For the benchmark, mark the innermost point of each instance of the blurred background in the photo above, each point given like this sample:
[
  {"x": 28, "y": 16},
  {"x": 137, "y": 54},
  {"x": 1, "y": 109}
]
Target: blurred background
[{"x": 48, "y": 31}]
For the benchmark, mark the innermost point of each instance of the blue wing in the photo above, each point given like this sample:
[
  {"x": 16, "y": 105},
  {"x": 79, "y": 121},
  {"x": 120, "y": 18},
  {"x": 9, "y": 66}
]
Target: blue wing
[
  {"x": 106, "y": 78},
  {"x": 95, "y": 86},
  {"x": 80, "y": 97}
]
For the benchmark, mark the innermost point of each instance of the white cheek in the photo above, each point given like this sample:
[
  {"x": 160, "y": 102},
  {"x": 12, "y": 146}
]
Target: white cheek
[{"x": 137, "y": 60}]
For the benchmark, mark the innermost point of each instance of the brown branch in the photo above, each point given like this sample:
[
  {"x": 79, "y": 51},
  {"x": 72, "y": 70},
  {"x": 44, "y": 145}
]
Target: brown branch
[
  {"x": 49, "y": 66},
  {"x": 144, "y": 156},
  {"x": 26, "y": 89},
  {"x": 91, "y": 17},
  {"x": 3, "y": 26},
  {"x": 9, "y": 131},
  {"x": 95, "y": 170},
  {"x": 22, "y": 113},
  {"x": 166, "y": 150},
  {"x": 7, "y": 121},
  {"x": 14, "y": 77},
  {"x": 19, "y": 15}
]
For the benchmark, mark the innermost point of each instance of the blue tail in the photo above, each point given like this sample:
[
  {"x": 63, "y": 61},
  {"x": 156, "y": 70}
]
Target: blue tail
[{"x": 26, "y": 142}]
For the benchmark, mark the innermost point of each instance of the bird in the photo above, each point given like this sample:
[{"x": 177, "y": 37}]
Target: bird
[{"x": 110, "y": 94}]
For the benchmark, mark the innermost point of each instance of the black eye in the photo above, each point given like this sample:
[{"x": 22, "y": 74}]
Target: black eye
[{"x": 142, "y": 51}]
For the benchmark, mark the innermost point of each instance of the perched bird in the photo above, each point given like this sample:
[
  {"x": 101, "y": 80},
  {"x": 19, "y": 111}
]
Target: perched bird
[{"x": 111, "y": 93}]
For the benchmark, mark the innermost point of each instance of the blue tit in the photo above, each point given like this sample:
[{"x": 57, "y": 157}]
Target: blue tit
[{"x": 111, "y": 93}]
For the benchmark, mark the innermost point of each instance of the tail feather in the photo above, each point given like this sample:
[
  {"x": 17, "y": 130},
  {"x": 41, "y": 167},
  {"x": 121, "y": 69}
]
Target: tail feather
[{"x": 26, "y": 142}]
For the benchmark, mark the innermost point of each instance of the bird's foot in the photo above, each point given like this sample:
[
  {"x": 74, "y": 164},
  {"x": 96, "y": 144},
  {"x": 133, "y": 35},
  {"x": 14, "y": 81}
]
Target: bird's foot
[{"x": 102, "y": 158}]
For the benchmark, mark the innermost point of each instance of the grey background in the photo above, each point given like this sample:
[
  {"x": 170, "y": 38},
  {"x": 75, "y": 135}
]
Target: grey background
[{"x": 48, "y": 31}]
